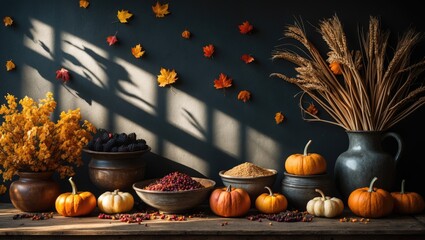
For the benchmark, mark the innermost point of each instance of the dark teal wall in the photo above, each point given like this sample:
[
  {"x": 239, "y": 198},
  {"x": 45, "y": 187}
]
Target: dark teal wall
[{"x": 211, "y": 22}]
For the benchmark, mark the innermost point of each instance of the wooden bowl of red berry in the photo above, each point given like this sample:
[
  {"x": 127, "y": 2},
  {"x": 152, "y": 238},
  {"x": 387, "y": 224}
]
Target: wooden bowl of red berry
[{"x": 174, "y": 193}]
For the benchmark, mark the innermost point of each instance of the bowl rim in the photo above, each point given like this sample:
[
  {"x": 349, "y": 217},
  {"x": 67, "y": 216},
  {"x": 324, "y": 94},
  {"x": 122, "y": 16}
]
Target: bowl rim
[
  {"x": 97, "y": 153},
  {"x": 147, "y": 181},
  {"x": 221, "y": 173}
]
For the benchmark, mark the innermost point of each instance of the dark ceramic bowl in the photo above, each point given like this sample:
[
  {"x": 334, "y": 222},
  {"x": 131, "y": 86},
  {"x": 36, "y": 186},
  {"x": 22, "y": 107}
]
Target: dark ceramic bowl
[
  {"x": 116, "y": 170},
  {"x": 253, "y": 185},
  {"x": 176, "y": 201},
  {"x": 299, "y": 189}
]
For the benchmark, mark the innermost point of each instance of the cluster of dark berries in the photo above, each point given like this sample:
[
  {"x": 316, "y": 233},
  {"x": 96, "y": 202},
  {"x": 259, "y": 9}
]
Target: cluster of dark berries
[
  {"x": 140, "y": 217},
  {"x": 34, "y": 216},
  {"x": 285, "y": 216},
  {"x": 105, "y": 141},
  {"x": 175, "y": 181}
]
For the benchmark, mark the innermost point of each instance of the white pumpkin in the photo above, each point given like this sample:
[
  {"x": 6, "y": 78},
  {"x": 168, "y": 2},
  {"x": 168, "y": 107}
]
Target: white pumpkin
[
  {"x": 115, "y": 202},
  {"x": 325, "y": 206}
]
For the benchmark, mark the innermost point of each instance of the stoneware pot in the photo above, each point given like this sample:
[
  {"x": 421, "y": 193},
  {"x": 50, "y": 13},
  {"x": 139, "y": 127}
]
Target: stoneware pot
[
  {"x": 365, "y": 159},
  {"x": 34, "y": 192},
  {"x": 299, "y": 189},
  {"x": 116, "y": 170}
]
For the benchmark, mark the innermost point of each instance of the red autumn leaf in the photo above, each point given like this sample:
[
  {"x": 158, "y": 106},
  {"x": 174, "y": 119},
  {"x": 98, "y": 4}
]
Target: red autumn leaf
[
  {"x": 222, "y": 82},
  {"x": 247, "y": 58},
  {"x": 245, "y": 27},
  {"x": 244, "y": 95},
  {"x": 312, "y": 109},
  {"x": 112, "y": 40},
  {"x": 208, "y": 50},
  {"x": 62, "y": 74}
]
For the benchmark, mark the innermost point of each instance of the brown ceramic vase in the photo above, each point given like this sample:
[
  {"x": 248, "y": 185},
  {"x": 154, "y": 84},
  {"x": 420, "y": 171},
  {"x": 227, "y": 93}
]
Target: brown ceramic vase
[{"x": 34, "y": 192}]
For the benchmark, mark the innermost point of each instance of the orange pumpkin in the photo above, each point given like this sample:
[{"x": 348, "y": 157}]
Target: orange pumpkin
[
  {"x": 305, "y": 164},
  {"x": 230, "y": 202},
  {"x": 72, "y": 204},
  {"x": 271, "y": 202},
  {"x": 407, "y": 202},
  {"x": 371, "y": 202}
]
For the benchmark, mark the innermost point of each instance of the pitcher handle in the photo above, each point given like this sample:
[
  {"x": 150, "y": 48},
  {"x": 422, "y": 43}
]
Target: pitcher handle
[{"x": 399, "y": 144}]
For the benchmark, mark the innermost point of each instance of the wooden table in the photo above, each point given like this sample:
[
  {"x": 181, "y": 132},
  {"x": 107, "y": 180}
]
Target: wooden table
[{"x": 207, "y": 226}]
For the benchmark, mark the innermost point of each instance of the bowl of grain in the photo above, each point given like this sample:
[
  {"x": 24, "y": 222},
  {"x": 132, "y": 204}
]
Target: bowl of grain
[{"x": 250, "y": 177}]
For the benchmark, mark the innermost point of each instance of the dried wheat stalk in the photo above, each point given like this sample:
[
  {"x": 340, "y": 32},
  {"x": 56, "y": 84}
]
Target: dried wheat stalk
[{"x": 371, "y": 94}]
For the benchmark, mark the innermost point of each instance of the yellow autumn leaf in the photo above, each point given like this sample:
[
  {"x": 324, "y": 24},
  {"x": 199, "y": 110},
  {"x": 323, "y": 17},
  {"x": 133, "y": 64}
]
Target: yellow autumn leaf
[
  {"x": 84, "y": 3},
  {"x": 124, "y": 15},
  {"x": 8, "y": 21},
  {"x": 137, "y": 51},
  {"x": 167, "y": 77},
  {"x": 160, "y": 10},
  {"x": 10, "y": 65}
]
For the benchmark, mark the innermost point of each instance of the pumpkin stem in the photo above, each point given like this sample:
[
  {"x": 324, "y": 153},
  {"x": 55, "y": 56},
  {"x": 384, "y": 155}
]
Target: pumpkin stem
[
  {"x": 306, "y": 147},
  {"x": 229, "y": 188},
  {"x": 321, "y": 193},
  {"x": 270, "y": 191},
  {"x": 116, "y": 191},
  {"x": 74, "y": 187},
  {"x": 371, "y": 184},
  {"x": 402, "y": 187}
]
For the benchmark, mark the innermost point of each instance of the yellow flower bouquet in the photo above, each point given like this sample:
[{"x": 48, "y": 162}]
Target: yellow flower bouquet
[{"x": 31, "y": 141}]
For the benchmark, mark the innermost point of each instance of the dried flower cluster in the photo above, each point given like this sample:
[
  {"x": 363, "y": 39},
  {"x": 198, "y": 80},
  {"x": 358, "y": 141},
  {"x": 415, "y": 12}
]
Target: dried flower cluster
[
  {"x": 372, "y": 90},
  {"x": 31, "y": 141}
]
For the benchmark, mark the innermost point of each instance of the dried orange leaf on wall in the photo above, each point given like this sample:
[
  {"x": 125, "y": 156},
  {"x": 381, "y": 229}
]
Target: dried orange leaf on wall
[
  {"x": 222, "y": 82},
  {"x": 8, "y": 21},
  {"x": 312, "y": 109},
  {"x": 335, "y": 68},
  {"x": 208, "y": 50},
  {"x": 111, "y": 40},
  {"x": 279, "y": 117},
  {"x": 160, "y": 10},
  {"x": 62, "y": 74},
  {"x": 84, "y": 3},
  {"x": 186, "y": 34},
  {"x": 244, "y": 95},
  {"x": 166, "y": 77},
  {"x": 10, "y": 65},
  {"x": 137, "y": 51},
  {"x": 245, "y": 27},
  {"x": 124, "y": 15},
  {"x": 247, "y": 58}
]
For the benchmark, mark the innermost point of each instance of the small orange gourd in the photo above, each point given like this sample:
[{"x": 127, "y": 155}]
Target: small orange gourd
[
  {"x": 230, "y": 202},
  {"x": 271, "y": 202},
  {"x": 407, "y": 202},
  {"x": 371, "y": 202},
  {"x": 73, "y": 204},
  {"x": 306, "y": 163}
]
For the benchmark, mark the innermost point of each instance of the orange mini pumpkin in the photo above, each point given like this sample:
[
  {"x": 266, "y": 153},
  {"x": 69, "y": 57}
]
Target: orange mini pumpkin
[
  {"x": 72, "y": 204},
  {"x": 230, "y": 202},
  {"x": 407, "y": 202},
  {"x": 305, "y": 164},
  {"x": 271, "y": 202},
  {"x": 371, "y": 202}
]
